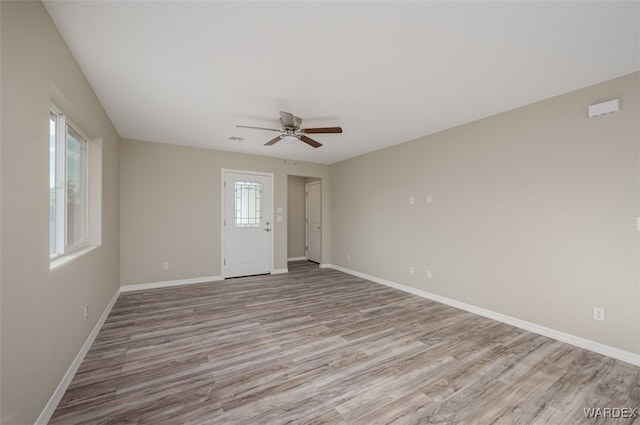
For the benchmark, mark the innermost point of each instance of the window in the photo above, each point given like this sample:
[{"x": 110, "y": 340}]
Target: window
[
  {"x": 68, "y": 209},
  {"x": 248, "y": 210}
]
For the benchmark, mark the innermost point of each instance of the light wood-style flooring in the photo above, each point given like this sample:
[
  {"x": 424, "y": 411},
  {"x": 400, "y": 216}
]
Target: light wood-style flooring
[{"x": 317, "y": 346}]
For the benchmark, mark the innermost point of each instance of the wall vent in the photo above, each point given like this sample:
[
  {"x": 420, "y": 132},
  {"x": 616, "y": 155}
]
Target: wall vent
[{"x": 604, "y": 108}]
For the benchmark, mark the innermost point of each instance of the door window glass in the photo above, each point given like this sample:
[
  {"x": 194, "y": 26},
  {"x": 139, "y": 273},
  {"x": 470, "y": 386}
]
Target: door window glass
[{"x": 248, "y": 197}]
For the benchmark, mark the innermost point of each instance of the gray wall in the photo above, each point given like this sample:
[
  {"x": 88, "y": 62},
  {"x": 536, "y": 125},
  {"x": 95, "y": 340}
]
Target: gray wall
[
  {"x": 42, "y": 323},
  {"x": 170, "y": 208},
  {"x": 533, "y": 214}
]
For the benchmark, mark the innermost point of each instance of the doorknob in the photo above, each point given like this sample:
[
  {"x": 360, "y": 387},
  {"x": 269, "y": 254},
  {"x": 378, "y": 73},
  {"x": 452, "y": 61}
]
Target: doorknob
[{"x": 267, "y": 229}]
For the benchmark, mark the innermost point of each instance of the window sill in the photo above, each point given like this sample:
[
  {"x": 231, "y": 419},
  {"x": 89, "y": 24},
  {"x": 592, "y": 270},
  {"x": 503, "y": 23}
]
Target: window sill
[{"x": 70, "y": 257}]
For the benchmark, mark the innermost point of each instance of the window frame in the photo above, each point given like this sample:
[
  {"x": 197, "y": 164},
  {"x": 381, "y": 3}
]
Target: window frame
[{"x": 62, "y": 248}]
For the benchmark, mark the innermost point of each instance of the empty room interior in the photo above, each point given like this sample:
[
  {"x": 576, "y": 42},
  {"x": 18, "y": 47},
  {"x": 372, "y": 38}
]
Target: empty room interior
[{"x": 319, "y": 212}]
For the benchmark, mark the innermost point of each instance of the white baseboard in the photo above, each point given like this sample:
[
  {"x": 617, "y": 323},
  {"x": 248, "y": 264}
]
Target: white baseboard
[
  {"x": 168, "y": 283},
  {"x": 53, "y": 402},
  {"x": 296, "y": 258},
  {"x": 280, "y": 271},
  {"x": 328, "y": 266},
  {"x": 587, "y": 344}
]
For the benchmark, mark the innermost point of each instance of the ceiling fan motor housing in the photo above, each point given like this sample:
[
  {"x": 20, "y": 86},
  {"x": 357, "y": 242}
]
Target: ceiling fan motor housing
[{"x": 297, "y": 122}]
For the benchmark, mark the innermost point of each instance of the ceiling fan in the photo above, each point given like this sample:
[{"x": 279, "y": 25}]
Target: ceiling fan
[{"x": 291, "y": 127}]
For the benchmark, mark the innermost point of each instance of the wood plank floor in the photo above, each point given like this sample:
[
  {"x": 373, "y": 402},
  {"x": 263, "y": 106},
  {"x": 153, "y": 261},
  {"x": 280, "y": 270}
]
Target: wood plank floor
[{"x": 317, "y": 346}]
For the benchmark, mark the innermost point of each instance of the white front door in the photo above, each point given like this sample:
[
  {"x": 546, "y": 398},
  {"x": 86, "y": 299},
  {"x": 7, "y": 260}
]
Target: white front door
[
  {"x": 248, "y": 224},
  {"x": 314, "y": 221}
]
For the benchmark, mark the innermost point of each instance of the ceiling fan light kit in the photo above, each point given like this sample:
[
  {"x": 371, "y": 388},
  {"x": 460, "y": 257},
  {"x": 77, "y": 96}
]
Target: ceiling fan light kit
[{"x": 291, "y": 128}]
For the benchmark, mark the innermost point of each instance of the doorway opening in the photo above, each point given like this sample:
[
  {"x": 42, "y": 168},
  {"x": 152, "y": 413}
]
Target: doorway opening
[{"x": 304, "y": 219}]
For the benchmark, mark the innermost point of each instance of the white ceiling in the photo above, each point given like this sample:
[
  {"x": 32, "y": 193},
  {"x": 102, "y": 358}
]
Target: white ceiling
[{"x": 387, "y": 72}]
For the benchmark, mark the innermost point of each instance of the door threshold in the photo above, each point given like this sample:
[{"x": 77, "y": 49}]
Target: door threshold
[{"x": 249, "y": 275}]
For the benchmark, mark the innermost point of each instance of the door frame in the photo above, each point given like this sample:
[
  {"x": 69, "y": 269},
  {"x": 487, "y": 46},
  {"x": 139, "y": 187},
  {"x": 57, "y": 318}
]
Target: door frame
[
  {"x": 307, "y": 205},
  {"x": 223, "y": 172}
]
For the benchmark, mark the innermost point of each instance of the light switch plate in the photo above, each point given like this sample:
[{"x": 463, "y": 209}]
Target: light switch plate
[{"x": 598, "y": 313}]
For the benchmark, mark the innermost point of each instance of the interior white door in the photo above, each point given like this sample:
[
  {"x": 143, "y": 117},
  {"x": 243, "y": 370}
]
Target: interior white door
[
  {"x": 314, "y": 221},
  {"x": 248, "y": 224}
]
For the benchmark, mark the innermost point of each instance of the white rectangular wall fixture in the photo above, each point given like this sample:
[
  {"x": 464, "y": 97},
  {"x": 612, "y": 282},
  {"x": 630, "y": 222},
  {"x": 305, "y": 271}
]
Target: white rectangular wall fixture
[{"x": 604, "y": 108}]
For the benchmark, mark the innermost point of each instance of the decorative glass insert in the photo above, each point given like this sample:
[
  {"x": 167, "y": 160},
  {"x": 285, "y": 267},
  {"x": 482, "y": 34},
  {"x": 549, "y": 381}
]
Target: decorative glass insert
[{"x": 248, "y": 197}]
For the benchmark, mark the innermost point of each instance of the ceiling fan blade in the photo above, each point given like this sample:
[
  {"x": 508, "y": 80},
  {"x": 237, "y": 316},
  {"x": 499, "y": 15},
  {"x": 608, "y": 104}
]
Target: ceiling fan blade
[
  {"x": 256, "y": 128},
  {"x": 309, "y": 141},
  {"x": 287, "y": 119},
  {"x": 322, "y": 130},
  {"x": 273, "y": 141}
]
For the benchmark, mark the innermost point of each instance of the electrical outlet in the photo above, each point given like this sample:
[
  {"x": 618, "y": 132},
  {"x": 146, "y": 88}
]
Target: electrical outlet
[
  {"x": 598, "y": 314},
  {"x": 412, "y": 200},
  {"x": 412, "y": 270},
  {"x": 348, "y": 256},
  {"x": 86, "y": 311},
  {"x": 429, "y": 274},
  {"x": 165, "y": 265},
  {"x": 429, "y": 200}
]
